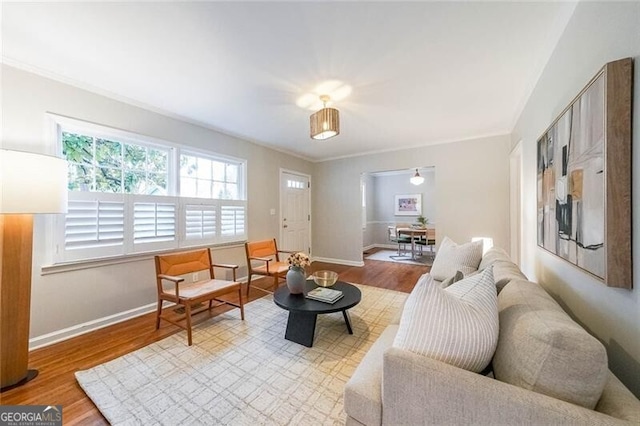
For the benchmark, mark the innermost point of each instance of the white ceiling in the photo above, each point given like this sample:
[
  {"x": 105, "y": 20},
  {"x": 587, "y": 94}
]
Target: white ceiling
[{"x": 421, "y": 73}]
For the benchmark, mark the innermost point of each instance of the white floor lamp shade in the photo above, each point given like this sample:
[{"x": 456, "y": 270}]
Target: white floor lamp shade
[{"x": 32, "y": 183}]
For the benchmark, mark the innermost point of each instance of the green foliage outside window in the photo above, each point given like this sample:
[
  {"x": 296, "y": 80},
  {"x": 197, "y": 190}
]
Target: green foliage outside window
[{"x": 103, "y": 165}]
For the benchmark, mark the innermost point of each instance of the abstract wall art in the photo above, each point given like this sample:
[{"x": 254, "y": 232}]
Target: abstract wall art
[{"x": 584, "y": 178}]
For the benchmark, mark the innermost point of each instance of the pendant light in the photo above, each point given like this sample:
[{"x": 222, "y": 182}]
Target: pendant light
[
  {"x": 325, "y": 123},
  {"x": 417, "y": 179}
]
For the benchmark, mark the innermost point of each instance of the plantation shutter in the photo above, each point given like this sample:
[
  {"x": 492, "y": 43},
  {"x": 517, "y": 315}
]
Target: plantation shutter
[
  {"x": 232, "y": 221},
  {"x": 154, "y": 222},
  {"x": 90, "y": 224},
  {"x": 94, "y": 226},
  {"x": 200, "y": 222}
]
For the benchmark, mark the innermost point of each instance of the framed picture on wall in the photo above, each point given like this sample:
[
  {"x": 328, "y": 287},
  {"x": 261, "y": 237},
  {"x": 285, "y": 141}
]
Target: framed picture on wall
[
  {"x": 408, "y": 205},
  {"x": 584, "y": 178}
]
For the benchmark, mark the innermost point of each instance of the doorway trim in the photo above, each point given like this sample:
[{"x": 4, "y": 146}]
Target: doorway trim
[{"x": 515, "y": 204}]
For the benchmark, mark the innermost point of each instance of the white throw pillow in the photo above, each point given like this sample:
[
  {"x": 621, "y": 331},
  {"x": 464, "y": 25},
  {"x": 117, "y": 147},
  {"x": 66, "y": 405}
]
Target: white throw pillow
[
  {"x": 452, "y": 257},
  {"x": 457, "y": 325}
]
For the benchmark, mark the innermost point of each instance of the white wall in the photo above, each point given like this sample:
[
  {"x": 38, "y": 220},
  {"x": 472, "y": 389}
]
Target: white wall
[
  {"x": 69, "y": 299},
  {"x": 472, "y": 194},
  {"x": 596, "y": 34}
]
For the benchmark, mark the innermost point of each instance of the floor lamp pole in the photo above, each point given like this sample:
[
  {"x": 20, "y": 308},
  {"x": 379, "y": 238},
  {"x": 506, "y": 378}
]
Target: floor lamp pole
[{"x": 16, "y": 244}]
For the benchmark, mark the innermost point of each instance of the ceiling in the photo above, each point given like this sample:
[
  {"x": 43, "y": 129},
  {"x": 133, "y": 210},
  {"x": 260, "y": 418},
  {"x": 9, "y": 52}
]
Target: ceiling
[{"x": 420, "y": 72}]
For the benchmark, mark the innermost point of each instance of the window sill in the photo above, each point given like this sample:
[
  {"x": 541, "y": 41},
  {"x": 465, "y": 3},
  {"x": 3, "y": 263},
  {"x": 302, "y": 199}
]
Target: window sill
[{"x": 62, "y": 267}]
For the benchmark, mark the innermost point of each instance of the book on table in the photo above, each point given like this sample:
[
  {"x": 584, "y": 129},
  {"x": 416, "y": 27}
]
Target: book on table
[{"x": 322, "y": 294}]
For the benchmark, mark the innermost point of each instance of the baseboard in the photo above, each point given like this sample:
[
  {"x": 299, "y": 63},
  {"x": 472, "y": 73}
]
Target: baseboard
[
  {"x": 89, "y": 326},
  {"x": 77, "y": 330},
  {"x": 339, "y": 261},
  {"x": 382, "y": 246},
  {"x": 387, "y": 246}
]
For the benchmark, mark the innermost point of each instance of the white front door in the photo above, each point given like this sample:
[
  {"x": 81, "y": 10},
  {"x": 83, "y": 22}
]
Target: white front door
[{"x": 295, "y": 201}]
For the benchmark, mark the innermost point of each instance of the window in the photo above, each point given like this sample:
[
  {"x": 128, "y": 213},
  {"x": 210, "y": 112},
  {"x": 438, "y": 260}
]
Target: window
[
  {"x": 126, "y": 196},
  {"x": 103, "y": 165},
  {"x": 208, "y": 178},
  {"x": 297, "y": 184}
]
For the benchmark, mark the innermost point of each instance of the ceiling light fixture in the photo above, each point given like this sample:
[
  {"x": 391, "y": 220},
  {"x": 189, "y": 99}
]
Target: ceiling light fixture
[
  {"x": 416, "y": 179},
  {"x": 325, "y": 123}
]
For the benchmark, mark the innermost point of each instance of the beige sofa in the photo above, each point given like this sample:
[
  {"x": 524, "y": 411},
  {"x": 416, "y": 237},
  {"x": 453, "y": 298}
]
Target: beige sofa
[{"x": 533, "y": 381}]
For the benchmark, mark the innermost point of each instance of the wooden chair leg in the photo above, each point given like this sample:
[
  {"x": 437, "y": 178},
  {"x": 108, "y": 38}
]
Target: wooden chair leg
[
  {"x": 241, "y": 304},
  {"x": 158, "y": 313},
  {"x": 275, "y": 282},
  {"x": 248, "y": 285},
  {"x": 187, "y": 308}
]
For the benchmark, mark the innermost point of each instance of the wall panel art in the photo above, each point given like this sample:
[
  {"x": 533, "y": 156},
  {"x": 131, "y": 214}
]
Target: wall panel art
[{"x": 584, "y": 178}]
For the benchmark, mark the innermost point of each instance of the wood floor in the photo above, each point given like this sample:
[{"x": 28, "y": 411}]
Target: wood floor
[{"x": 56, "y": 383}]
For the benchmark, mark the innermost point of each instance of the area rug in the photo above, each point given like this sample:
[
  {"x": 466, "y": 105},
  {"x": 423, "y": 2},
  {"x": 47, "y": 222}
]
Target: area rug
[
  {"x": 242, "y": 372},
  {"x": 392, "y": 256}
]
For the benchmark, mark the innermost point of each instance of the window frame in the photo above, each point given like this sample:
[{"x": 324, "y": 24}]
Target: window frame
[
  {"x": 242, "y": 165},
  {"x": 129, "y": 248},
  {"x": 123, "y": 169}
]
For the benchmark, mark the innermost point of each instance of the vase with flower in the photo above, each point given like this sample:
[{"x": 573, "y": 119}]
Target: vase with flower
[{"x": 296, "y": 277}]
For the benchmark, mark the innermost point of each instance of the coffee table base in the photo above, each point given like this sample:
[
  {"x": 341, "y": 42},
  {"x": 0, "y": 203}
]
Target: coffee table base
[{"x": 301, "y": 327}]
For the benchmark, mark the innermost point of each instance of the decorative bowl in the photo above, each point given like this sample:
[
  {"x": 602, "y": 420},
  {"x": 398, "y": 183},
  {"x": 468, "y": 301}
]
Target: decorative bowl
[{"x": 325, "y": 278}]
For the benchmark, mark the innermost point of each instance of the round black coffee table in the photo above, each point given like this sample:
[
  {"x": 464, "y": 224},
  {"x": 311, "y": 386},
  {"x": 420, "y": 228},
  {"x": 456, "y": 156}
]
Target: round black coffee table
[{"x": 303, "y": 312}]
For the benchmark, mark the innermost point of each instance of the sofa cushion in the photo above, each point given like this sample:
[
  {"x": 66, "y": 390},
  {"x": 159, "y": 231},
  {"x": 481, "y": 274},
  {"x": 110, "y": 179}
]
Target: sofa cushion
[
  {"x": 457, "y": 325},
  {"x": 492, "y": 255},
  {"x": 504, "y": 272},
  {"x": 540, "y": 348},
  {"x": 363, "y": 391},
  {"x": 454, "y": 257}
]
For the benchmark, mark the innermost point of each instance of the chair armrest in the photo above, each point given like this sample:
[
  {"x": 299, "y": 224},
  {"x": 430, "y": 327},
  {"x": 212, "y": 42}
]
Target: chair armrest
[
  {"x": 224, "y": 265},
  {"x": 287, "y": 251},
  {"x": 420, "y": 390},
  {"x": 263, "y": 259},
  {"x": 228, "y": 266},
  {"x": 171, "y": 278},
  {"x": 176, "y": 280}
]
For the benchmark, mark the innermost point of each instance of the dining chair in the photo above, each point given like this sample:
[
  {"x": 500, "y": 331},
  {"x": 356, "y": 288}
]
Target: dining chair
[
  {"x": 429, "y": 240},
  {"x": 400, "y": 240},
  {"x": 263, "y": 258}
]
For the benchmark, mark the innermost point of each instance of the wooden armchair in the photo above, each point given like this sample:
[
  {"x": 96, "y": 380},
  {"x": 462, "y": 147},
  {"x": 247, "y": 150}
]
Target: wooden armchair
[
  {"x": 170, "y": 267},
  {"x": 267, "y": 255}
]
